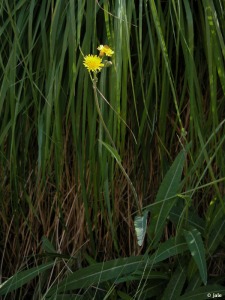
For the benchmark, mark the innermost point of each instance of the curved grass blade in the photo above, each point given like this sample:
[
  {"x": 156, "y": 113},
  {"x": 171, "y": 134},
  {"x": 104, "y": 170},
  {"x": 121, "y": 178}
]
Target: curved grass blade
[
  {"x": 97, "y": 273},
  {"x": 195, "y": 244},
  {"x": 21, "y": 278},
  {"x": 170, "y": 248},
  {"x": 168, "y": 189},
  {"x": 115, "y": 269},
  {"x": 115, "y": 154},
  {"x": 47, "y": 245},
  {"x": 178, "y": 216}
]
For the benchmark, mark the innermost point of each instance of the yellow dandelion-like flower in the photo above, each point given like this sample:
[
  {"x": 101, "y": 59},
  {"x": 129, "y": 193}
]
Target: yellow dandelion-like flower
[
  {"x": 105, "y": 50},
  {"x": 93, "y": 63}
]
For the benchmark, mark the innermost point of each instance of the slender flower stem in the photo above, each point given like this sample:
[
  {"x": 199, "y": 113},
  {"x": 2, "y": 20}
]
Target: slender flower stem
[{"x": 94, "y": 80}]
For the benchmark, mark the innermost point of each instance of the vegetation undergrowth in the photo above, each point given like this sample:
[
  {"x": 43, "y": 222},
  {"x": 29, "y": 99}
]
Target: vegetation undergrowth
[{"x": 112, "y": 179}]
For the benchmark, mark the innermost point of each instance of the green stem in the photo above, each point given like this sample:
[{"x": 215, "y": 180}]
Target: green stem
[{"x": 94, "y": 80}]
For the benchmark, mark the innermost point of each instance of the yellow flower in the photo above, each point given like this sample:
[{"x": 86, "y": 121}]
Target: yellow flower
[
  {"x": 93, "y": 63},
  {"x": 105, "y": 50}
]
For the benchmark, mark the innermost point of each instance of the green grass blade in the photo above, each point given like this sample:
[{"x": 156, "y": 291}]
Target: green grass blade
[
  {"x": 168, "y": 189},
  {"x": 175, "y": 285},
  {"x": 196, "y": 246},
  {"x": 178, "y": 215},
  {"x": 152, "y": 291},
  {"x": 113, "y": 270},
  {"x": 21, "y": 278},
  {"x": 47, "y": 245},
  {"x": 216, "y": 236},
  {"x": 170, "y": 248},
  {"x": 204, "y": 293},
  {"x": 164, "y": 49},
  {"x": 115, "y": 154},
  {"x": 95, "y": 274}
]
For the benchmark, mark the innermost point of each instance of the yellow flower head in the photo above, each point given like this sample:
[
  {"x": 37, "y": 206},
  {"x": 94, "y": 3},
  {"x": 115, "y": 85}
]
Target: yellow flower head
[
  {"x": 105, "y": 50},
  {"x": 93, "y": 63}
]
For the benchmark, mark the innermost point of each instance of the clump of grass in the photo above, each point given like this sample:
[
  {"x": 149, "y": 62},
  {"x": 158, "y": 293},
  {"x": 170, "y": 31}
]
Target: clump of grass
[{"x": 165, "y": 87}]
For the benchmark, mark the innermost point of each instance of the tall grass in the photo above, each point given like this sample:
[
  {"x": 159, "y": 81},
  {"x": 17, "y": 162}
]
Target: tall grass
[{"x": 65, "y": 202}]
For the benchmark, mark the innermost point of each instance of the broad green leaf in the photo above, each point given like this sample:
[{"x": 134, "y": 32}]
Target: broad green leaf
[
  {"x": 170, "y": 248},
  {"x": 21, "y": 278},
  {"x": 196, "y": 247},
  {"x": 168, "y": 189},
  {"x": 146, "y": 274},
  {"x": 100, "y": 272},
  {"x": 140, "y": 224},
  {"x": 115, "y": 269}
]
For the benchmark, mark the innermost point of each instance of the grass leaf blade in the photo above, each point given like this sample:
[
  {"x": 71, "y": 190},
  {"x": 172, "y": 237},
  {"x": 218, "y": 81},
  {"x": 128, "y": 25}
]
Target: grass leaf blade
[
  {"x": 21, "y": 278},
  {"x": 196, "y": 246},
  {"x": 168, "y": 188}
]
